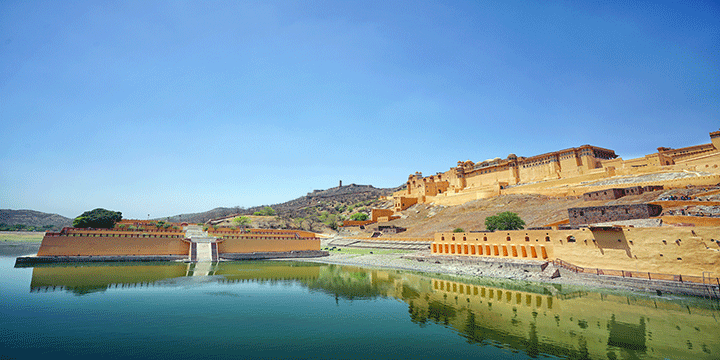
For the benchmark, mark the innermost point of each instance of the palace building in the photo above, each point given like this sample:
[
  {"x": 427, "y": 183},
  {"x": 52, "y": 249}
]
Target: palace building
[{"x": 566, "y": 168}]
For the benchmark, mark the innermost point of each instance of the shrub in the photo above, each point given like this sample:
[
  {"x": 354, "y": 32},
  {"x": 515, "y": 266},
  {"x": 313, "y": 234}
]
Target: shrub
[
  {"x": 359, "y": 216},
  {"x": 504, "y": 221},
  {"x": 458, "y": 230},
  {"x": 266, "y": 211}
]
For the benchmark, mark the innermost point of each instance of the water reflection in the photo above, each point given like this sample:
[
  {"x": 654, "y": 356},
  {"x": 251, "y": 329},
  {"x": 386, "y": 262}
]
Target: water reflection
[{"x": 529, "y": 318}]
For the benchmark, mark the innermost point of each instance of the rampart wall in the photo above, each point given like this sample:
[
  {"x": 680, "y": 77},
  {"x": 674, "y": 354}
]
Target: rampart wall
[
  {"x": 559, "y": 173},
  {"x": 601, "y": 214},
  {"x": 670, "y": 250},
  {"x": 691, "y": 220},
  {"x": 261, "y": 244},
  {"x": 375, "y": 214},
  {"x": 357, "y": 222},
  {"x": 94, "y": 245}
]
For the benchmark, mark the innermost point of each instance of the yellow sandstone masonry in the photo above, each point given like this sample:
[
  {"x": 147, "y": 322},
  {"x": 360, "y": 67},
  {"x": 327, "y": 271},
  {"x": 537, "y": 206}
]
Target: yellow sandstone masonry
[
  {"x": 664, "y": 250},
  {"x": 559, "y": 173}
]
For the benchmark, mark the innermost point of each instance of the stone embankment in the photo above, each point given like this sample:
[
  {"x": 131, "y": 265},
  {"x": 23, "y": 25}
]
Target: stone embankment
[{"x": 523, "y": 270}]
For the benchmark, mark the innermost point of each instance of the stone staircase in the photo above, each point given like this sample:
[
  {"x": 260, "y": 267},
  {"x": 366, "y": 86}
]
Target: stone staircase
[{"x": 203, "y": 248}]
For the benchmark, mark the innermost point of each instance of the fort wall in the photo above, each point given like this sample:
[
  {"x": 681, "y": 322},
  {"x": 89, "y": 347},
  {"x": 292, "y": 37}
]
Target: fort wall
[
  {"x": 97, "y": 245},
  {"x": 668, "y": 250},
  {"x": 265, "y": 244},
  {"x": 559, "y": 173},
  {"x": 376, "y": 214},
  {"x": 601, "y": 214}
]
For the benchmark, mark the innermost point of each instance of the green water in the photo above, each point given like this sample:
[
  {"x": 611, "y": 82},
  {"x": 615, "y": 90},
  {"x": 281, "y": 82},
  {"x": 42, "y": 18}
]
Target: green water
[{"x": 301, "y": 310}]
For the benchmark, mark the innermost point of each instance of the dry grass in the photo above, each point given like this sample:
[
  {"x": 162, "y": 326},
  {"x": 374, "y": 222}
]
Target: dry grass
[{"x": 19, "y": 236}]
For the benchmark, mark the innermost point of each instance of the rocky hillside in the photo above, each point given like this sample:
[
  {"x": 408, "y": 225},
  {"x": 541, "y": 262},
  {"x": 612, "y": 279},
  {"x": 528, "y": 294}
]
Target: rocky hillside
[
  {"x": 334, "y": 200},
  {"x": 198, "y": 218},
  {"x": 424, "y": 220},
  {"x": 32, "y": 218}
]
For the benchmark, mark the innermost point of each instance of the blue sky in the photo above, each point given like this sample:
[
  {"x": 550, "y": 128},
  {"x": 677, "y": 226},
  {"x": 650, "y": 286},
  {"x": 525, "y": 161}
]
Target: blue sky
[{"x": 171, "y": 107}]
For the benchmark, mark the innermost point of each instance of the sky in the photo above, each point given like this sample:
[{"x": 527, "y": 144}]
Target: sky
[{"x": 161, "y": 108}]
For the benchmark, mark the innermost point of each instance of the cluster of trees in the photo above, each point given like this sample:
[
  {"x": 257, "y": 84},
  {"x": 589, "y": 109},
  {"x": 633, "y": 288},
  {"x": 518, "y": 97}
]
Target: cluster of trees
[{"x": 98, "y": 219}]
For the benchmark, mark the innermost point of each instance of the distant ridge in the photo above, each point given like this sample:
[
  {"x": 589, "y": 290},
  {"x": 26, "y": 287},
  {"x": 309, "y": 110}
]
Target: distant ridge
[
  {"x": 347, "y": 195},
  {"x": 33, "y": 218}
]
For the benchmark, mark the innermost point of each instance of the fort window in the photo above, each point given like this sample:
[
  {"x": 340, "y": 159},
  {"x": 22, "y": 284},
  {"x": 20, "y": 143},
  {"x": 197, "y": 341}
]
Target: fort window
[
  {"x": 547, "y": 238},
  {"x": 508, "y": 238},
  {"x": 527, "y": 238},
  {"x": 484, "y": 238},
  {"x": 464, "y": 238}
]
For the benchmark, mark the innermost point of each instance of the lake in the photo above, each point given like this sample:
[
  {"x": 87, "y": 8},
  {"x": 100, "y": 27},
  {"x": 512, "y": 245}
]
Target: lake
[{"x": 278, "y": 309}]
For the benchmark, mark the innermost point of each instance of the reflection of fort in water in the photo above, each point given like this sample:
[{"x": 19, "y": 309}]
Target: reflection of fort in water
[{"x": 529, "y": 319}]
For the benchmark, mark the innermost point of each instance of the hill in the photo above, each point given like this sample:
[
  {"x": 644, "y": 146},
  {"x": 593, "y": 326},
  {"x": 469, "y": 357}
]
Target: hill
[
  {"x": 424, "y": 220},
  {"x": 334, "y": 200},
  {"x": 31, "y": 218}
]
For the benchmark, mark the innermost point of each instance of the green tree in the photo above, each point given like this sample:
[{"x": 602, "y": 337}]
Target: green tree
[
  {"x": 241, "y": 221},
  {"x": 458, "y": 230},
  {"x": 266, "y": 211},
  {"x": 98, "y": 218},
  {"x": 359, "y": 216},
  {"x": 504, "y": 221}
]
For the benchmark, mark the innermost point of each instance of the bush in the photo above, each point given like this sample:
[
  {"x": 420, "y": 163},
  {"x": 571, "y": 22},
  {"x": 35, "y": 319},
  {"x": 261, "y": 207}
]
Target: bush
[
  {"x": 359, "y": 217},
  {"x": 241, "y": 221},
  {"x": 98, "y": 218},
  {"x": 266, "y": 211},
  {"x": 504, "y": 221},
  {"x": 458, "y": 230}
]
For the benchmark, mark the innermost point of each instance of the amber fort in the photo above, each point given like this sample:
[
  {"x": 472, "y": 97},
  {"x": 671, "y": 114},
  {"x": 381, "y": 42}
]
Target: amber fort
[{"x": 568, "y": 172}]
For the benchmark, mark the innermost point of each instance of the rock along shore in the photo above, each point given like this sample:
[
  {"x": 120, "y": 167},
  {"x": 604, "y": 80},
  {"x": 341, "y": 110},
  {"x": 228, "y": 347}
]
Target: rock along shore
[{"x": 521, "y": 270}]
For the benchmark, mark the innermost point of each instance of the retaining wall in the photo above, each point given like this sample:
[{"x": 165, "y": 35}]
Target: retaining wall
[
  {"x": 667, "y": 250},
  {"x": 63, "y": 245},
  {"x": 244, "y": 245}
]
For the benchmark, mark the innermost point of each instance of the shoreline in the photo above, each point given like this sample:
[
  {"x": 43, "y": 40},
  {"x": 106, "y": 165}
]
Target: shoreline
[
  {"x": 463, "y": 267},
  {"x": 509, "y": 269}
]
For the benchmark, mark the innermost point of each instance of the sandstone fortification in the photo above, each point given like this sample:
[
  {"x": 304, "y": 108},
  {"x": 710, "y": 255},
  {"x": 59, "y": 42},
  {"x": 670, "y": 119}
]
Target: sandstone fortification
[{"x": 568, "y": 172}]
